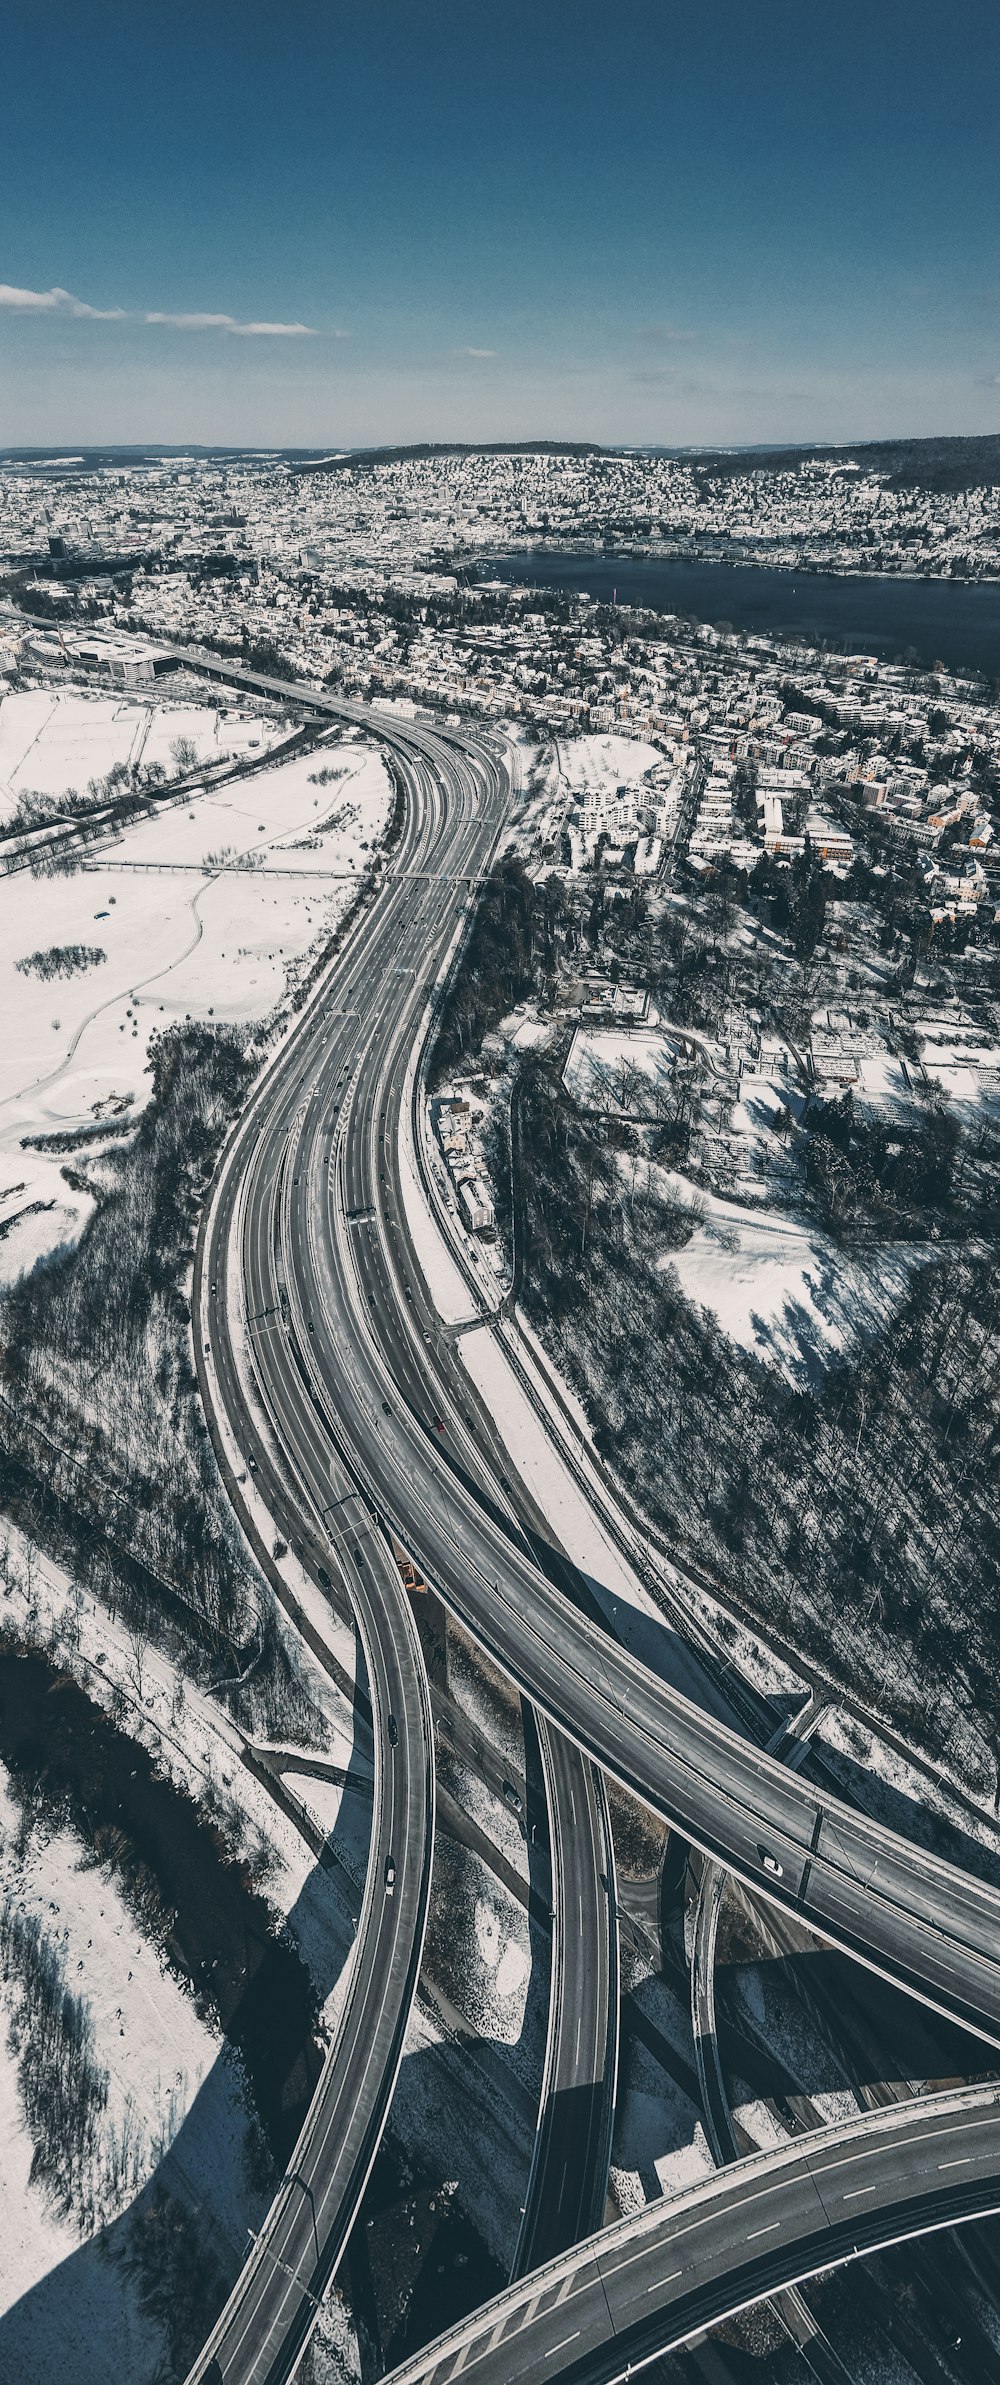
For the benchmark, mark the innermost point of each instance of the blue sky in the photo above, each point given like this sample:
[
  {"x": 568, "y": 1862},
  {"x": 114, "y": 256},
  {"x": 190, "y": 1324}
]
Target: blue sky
[{"x": 321, "y": 224}]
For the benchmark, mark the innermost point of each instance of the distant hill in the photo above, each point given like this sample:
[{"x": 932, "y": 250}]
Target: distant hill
[
  {"x": 944, "y": 463},
  {"x": 365, "y": 459}
]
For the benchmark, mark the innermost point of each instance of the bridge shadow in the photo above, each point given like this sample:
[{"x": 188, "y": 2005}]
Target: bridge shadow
[
  {"x": 140, "y": 2295},
  {"x": 859, "y": 1784},
  {"x": 440, "y": 2220},
  {"x": 816, "y": 2023},
  {"x": 436, "y": 2233}
]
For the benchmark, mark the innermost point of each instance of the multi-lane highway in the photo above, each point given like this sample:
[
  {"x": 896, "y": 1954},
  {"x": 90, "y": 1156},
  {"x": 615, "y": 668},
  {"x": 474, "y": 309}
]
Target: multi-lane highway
[
  {"x": 308, "y": 1493},
  {"x": 263, "y": 1361},
  {"x": 567, "y": 2185},
  {"x": 339, "y": 1347}
]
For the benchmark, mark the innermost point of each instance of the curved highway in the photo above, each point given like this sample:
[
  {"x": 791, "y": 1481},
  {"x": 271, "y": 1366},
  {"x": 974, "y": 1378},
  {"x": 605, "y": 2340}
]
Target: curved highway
[
  {"x": 272, "y": 1391},
  {"x": 573, "y": 2143},
  {"x": 269, "y": 2314},
  {"x": 352, "y": 1273}
]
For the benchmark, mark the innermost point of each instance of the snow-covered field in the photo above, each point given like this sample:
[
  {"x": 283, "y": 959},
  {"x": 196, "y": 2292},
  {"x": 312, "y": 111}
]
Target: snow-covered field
[
  {"x": 184, "y": 938},
  {"x": 605, "y": 762},
  {"x": 194, "y": 1744},
  {"x": 53, "y": 742}
]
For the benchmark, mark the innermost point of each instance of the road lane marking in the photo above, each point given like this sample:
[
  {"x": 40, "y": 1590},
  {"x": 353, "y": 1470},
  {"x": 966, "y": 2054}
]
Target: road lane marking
[
  {"x": 660, "y": 2282},
  {"x": 960, "y": 2163},
  {"x": 567, "y": 2339},
  {"x": 768, "y": 2231},
  {"x": 853, "y": 2193}
]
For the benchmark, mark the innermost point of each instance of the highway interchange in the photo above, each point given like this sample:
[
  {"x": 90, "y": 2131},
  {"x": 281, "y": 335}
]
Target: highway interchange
[{"x": 321, "y": 1349}]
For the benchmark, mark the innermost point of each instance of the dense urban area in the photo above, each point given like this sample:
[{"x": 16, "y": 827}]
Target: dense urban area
[{"x": 694, "y": 1225}]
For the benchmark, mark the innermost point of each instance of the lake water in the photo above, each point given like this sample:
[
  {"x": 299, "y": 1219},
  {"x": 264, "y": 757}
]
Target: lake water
[{"x": 951, "y": 621}]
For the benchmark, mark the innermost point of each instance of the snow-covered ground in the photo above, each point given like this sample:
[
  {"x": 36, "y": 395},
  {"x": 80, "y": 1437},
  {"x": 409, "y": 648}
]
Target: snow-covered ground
[
  {"x": 892, "y": 1785},
  {"x": 172, "y": 2084},
  {"x": 659, "y": 2143},
  {"x": 52, "y": 743},
  {"x": 610, "y": 1068},
  {"x": 777, "y": 1285},
  {"x": 605, "y": 762},
  {"x": 487, "y": 1701},
  {"x": 184, "y": 938},
  {"x": 194, "y": 1744},
  {"x": 174, "y": 2089}
]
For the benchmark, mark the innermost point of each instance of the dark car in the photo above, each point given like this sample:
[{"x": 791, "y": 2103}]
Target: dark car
[
  {"x": 323, "y": 1577},
  {"x": 392, "y": 1730}
]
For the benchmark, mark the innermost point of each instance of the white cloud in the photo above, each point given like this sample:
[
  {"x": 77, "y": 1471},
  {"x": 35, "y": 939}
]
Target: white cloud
[
  {"x": 62, "y": 302},
  {"x": 56, "y": 302},
  {"x": 475, "y": 351},
  {"x": 281, "y": 331}
]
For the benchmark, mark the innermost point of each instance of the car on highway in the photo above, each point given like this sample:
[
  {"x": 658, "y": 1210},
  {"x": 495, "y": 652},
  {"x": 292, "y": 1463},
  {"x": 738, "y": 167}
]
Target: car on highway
[
  {"x": 392, "y": 1731},
  {"x": 390, "y": 1874},
  {"x": 771, "y": 1864},
  {"x": 510, "y": 1797},
  {"x": 323, "y": 1577}
]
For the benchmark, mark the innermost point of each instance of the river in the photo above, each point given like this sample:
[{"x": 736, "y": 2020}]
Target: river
[{"x": 956, "y": 622}]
